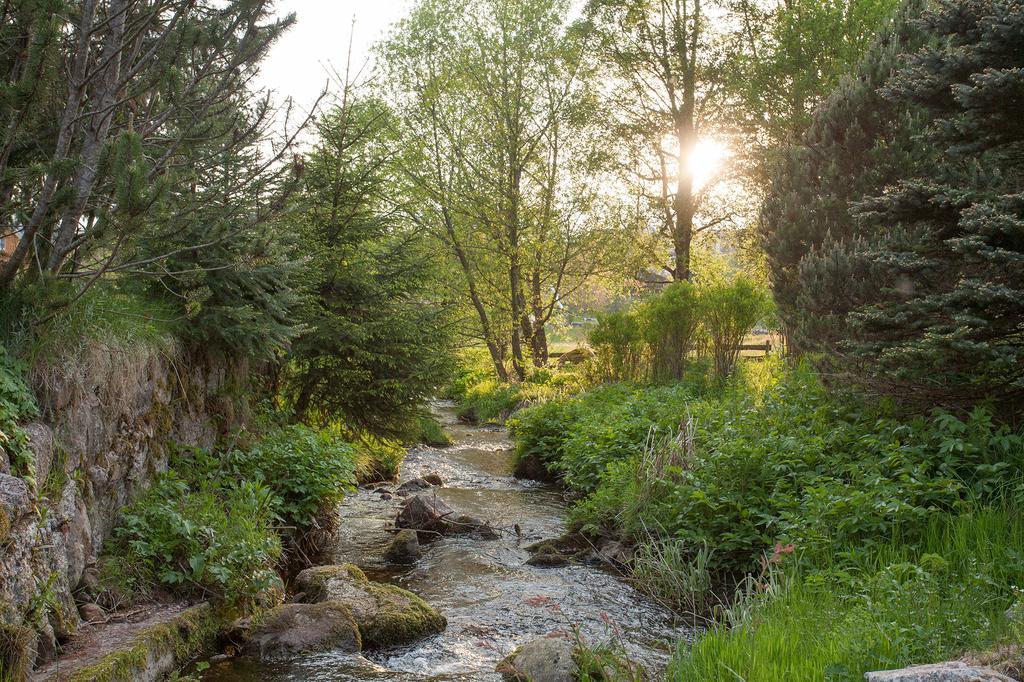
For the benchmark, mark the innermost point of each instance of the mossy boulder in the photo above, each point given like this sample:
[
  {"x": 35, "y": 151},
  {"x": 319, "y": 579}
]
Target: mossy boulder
[
  {"x": 404, "y": 548},
  {"x": 385, "y": 614},
  {"x": 292, "y": 629}
]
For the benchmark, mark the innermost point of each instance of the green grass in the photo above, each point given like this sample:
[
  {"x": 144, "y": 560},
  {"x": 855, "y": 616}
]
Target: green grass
[
  {"x": 483, "y": 398},
  {"x": 37, "y": 326},
  {"x": 894, "y": 606}
]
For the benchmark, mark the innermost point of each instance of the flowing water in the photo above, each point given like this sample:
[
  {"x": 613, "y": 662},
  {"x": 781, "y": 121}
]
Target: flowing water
[{"x": 494, "y": 602}]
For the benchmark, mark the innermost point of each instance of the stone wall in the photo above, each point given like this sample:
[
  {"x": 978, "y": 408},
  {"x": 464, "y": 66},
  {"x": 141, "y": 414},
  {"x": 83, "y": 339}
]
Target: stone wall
[{"x": 107, "y": 424}]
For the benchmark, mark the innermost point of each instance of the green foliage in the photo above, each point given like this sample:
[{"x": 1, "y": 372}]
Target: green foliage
[
  {"x": 857, "y": 143},
  {"x": 658, "y": 338},
  {"x": 378, "y": 459},
  {"x": 792, "y": 465},
  {"x": 376, "y": 341},
  {"x": 894, "y": 231},
  {"x": 670, "y": 324},
  {"x": 430, "y": 432},
  {"x": 618, "y": 340},
  {"x": 579, "y": 437},
  {"x": 16, "y": 406},
  {"x": 307, "y": 471},
  {"x": 482, "y": 397},
  {"x": 860, "y": 610},
  {"x": 204, "y": 535},
  {"x": 211, "y": 522},
  {"x": 730, "y": 310}
]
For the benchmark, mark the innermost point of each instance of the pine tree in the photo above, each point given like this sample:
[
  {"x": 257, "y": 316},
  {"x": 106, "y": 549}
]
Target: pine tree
[
  {"x": 375, "y": 343},
  {"x": 858, "y": 143},
  {"x": 947, "y": 326}
]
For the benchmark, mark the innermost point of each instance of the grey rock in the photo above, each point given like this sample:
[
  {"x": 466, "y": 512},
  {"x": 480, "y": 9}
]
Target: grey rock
[
  {"x": 92, "y": 613},
  {"x": 40, "y": 442},
  {"x": 424, "y": 514},
  {"x": 15, "y": 498},
  {"x": 549, "y": 659},
  {"x": 404, "y": 548},
  {"x": 433, "y": 479},
  {"x": 955, "y": 671},
  {"x": 421, "y": 483},
  {"x": 292, "y": 629}
]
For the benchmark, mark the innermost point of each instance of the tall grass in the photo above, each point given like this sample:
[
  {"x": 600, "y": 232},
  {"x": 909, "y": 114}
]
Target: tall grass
[
  {"x": 893, "y": 606},
  {"x": 40, "y": 329}
]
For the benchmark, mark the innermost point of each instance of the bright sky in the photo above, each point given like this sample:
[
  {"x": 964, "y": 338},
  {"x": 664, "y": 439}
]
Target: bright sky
[{"x": 296, "y": 66}]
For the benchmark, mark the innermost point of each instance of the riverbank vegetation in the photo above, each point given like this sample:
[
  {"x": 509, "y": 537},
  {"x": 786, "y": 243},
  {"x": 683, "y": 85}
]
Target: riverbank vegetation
[
  {"x": 790, "y": 233},
  {"x": 857, "y": 510}
]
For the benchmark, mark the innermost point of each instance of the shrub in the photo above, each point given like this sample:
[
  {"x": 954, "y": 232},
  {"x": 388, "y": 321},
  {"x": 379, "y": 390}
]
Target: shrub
[
  {"x": 730, "y": 310},
  {"x": 790, "y": 465},
  {"x": 308, "y": 471},
  {"x": 618, "y": 340},
  {"x": 211, "y": 523},
  {"x": 204, "y": 535},
  {"x": 670, "y": 323}
]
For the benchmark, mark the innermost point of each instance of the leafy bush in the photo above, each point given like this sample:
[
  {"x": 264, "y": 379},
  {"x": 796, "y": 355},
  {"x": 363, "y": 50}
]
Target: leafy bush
[
  {"x": 308, "y": 471},
  {"x": 204, "y": 535},
  {"x": 791, "y": 465},
  {"x": 893, "y": 606},
  {"x": 16, "y": 405},
  {"x": 659, "y": 337},
  {"x": 670, "y": 324},
  {"x": 730, "y": 310},
  {"x": 618, "y": 339},
  {"x": 211, "y": 522},
  {"x": 578, "y": 437}
]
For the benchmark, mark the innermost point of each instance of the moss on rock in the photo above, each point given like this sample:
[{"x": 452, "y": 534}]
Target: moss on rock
[
  {"x": 177, "y": 640},
  {"x": 386, "y": 615}
]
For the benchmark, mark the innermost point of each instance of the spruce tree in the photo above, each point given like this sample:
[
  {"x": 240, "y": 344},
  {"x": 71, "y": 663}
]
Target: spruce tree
[
  {"x": 375, "y": 340},
  {"x": 858, "y": 142},
  {"x": 947, "y": 326}
]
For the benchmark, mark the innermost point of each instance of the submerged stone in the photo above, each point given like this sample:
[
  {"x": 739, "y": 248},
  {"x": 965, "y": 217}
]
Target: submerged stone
[
  {"x": 292, "y": 629},
  {"x": 404, "y": 548}
]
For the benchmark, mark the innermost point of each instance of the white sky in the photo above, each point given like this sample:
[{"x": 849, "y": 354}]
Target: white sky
[{"x": 296, "y": 66}]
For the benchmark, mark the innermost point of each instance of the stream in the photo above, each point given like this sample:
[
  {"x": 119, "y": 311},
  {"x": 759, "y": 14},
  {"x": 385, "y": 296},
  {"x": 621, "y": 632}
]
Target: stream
[{"x": 494, "y": 602}]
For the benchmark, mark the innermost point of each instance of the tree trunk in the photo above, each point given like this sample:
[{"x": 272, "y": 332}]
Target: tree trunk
[{"x": 102, "y": 117}]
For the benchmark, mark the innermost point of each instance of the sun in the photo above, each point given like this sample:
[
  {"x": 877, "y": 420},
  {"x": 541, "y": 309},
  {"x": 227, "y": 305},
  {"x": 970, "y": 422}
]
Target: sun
[{"x": 706, "y": 161}]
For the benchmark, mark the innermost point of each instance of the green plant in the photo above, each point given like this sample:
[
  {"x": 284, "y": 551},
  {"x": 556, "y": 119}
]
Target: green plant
[
  {"x": 618, "y": 340},
  {"x": 768, "y": 460},
  {"x": 670, "y": 324},
  {"x": 306, "y": 471},
  {"x": 730, "y": 310},
  {"x": 16, "y": 406},
  {"x": 207, "y": 535},
  {"x": 859, "y": 610},
  {"x": 378, "y": 459},
  {"x": 430, "y": 432}
]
